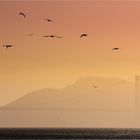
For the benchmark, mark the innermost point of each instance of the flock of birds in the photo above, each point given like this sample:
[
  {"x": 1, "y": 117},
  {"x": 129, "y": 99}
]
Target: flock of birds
[
  {"x": 54, "y": 36},
  {"x": 51, "y": 36}
]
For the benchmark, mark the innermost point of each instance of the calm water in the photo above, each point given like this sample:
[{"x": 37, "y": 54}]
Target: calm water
[{"x": 59, "y": 133}]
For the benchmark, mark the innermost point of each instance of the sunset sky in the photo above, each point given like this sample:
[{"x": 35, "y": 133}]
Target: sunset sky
[{"x": 35, "y": 62}]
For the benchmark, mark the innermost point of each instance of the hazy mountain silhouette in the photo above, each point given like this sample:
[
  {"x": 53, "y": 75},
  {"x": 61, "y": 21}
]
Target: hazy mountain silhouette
[
  {"x": 110, "y": 104},
  {"x": 111, "y": 93}
]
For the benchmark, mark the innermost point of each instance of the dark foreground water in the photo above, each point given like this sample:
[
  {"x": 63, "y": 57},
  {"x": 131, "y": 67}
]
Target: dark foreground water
[{"x": 68, "y": 133}]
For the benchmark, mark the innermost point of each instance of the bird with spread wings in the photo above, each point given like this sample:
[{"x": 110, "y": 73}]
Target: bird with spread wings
[
  {"x": 22, "y": 14},
  {"x": 52, "y": 36}
]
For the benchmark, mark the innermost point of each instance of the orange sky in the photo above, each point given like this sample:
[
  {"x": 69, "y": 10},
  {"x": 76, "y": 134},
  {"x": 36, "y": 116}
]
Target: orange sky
[{"x": 36, "y": 62}]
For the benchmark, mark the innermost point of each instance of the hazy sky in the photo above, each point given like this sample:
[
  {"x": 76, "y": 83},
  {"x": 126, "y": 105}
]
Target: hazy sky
[{"x": 36, "y": 62}]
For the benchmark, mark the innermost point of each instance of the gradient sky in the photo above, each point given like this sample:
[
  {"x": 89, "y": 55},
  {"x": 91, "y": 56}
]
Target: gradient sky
[{"x": 36, "y": 62}]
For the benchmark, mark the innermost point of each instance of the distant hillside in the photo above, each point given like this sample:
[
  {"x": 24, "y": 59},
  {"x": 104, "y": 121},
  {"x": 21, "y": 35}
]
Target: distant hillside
[
  {"x": 89, "y": 92},
  {"x": 89, "y": 102}
]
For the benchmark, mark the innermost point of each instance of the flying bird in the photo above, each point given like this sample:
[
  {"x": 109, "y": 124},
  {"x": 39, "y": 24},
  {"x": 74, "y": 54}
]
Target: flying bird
[
  {"x": 22, "y": 14},
  {"x": 7, "y": 46},
  {"x": 115, "y": 49},
  {"x": 83, "y": 35},
  {"x": 31, "y": 34},
  {"x": 52, "y": 36},
  {"x": 95, "y": 86},
  {"x": 48, "y": 20}
]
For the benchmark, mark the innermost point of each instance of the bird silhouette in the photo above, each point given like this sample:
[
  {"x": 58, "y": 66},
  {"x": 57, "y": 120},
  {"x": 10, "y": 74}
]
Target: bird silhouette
[
  {"x": 48, "y": 20},
  {"x": 95, "y": 86},
  {"x": 83, "y": 35},
  {"x": 22, "y": 14},
  {"x": 31, "y": 34},
  {"x": 115, "y": 49},
  {"x": 7, "y": 46},
  {"x": 52, "y": 36}
]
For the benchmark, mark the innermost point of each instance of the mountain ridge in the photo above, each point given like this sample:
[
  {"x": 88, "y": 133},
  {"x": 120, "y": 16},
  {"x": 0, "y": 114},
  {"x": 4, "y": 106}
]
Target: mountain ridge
[
  {"x": 79, "y": 93},
  {"x": 77, "y": 105}
]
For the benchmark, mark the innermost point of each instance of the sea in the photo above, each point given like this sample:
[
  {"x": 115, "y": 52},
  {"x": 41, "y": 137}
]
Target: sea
[{"x": 69, "y": 133}]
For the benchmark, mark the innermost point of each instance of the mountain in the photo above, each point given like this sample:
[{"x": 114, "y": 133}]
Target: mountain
[
  {"x": 89, "y": 92},
  {"x": 78, "y": 102}
]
